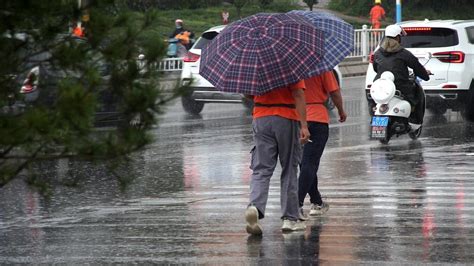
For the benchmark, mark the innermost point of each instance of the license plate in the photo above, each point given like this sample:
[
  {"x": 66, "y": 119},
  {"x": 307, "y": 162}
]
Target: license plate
[{"x": 379, "y": 127}]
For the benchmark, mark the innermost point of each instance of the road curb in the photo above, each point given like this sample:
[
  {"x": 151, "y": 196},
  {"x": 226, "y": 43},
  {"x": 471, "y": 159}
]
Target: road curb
[{"x": 353, "y": 69}]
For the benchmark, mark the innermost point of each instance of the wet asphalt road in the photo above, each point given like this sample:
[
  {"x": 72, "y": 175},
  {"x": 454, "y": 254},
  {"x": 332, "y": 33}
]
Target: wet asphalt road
[{"x": 409, "y": 202}]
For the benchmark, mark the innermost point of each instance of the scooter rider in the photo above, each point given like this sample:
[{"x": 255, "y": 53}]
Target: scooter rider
[
  {"x": 393, "y": 57},
  {"x": 185, "y": 36}
]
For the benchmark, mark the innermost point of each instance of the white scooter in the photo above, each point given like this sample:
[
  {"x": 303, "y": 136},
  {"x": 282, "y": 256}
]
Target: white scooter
[{"x": 391, "y": 112}]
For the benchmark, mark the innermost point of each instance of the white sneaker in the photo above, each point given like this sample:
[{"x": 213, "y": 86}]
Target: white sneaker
[
  {"x": 318, "y": 209},
  {"x": 293, "y": 225},
  {"x": 251, "y": 216},
  {"x": 302, "y": 216}
]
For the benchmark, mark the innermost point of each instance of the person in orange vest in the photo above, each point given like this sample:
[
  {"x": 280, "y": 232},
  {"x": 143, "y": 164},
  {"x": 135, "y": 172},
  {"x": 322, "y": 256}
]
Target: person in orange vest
[
  {"x": 377, "y": 13},
  {"x": 318, "y": 89}
]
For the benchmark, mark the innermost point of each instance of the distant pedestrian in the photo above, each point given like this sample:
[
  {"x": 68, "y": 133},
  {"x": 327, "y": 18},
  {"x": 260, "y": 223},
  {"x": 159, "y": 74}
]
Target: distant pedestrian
[
  {"x": 78, "y": 30},
  {"x": 225, "y": 17},
  {"x": 279, "y": 128},
  {"x": 377, "y": 14},
  {"x": 317, "y": 90}
]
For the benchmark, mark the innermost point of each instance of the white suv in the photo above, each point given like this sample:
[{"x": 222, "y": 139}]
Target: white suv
[
  {"x": 200, "y": 90},
  {"x": 451, "y": 44}
]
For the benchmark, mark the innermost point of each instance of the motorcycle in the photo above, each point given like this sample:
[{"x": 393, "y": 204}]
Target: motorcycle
[
  {"x": 391, "y": 114},
  {"x": 392, "y": 111},
  {"x": 179, "y": 45}
]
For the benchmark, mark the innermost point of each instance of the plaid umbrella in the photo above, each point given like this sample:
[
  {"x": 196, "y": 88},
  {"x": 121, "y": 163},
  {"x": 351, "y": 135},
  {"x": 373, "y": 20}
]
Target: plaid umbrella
[
  {"x": 338, "y": 37},
  {"x": 262, "y": 52}
]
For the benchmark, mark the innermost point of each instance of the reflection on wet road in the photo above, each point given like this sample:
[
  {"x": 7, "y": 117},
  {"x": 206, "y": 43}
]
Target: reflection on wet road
[{"x": 408, "y": 202}]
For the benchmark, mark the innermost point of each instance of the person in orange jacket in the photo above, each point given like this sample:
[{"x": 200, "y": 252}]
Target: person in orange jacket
[
  {"x": 77, "y": 30},
  {"x": 183, "y": 35},
  {"x": 377, "y": 13},
  {"x": 318, "y": 89}
]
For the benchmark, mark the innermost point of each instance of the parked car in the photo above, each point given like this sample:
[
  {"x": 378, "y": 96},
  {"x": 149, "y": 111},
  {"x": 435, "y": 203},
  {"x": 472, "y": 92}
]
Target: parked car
[
  {"x": 200, "y": 90},
  {"x": 37, "y": 85},
  {"x": 451, "y": 45}
]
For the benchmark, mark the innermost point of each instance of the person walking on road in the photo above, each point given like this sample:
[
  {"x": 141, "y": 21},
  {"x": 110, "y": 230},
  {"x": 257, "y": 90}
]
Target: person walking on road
[
  {"x": 377, "y": 14},
  {"x": 279, "y": 128},
  {"x": 318, "y": 89}
]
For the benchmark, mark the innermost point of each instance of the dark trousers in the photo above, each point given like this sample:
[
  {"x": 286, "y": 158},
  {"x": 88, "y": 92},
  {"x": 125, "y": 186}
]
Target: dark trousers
[
  {"x": 312, "y": 152},
  {"x": 416, "y": 117}
]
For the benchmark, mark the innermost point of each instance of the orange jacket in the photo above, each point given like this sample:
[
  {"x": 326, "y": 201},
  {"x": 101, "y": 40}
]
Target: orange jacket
[
  {"x": 317, "y": 92},
  {"x": 77, "y": 31},
  {"x": 184, "y": 37}
]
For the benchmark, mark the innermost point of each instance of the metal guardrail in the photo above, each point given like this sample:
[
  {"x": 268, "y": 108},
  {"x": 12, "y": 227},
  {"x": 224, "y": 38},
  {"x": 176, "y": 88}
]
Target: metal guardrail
[
  {"x": 171, "y": 64},
  {"x": 365, "y": 41}
]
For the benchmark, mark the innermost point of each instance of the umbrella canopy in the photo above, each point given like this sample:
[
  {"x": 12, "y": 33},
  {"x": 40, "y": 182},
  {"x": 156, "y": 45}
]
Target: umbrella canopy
[
  {"x": 262, "y": 52},
  {"x": 338, "y": 37}
]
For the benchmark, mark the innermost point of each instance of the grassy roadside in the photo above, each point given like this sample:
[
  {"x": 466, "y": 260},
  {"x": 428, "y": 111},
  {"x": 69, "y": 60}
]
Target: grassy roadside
[
  {"x": 410, "y": 10},
  {"x": 199, "y": 20}
]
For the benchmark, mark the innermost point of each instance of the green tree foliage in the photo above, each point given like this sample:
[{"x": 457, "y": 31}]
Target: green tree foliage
[
  {"x": 239, "y": 4},
  {"x": 264, "y": 3},
  {"x": 311, "y": 3},
  {"x": 143, "y": 5},
  {"x": 99, "y": 69}
]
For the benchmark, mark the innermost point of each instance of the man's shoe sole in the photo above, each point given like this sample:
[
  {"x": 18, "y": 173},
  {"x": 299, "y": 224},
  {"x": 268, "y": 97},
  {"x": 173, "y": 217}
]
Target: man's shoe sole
[
  {"x": 294, "y": 227},
  {"x": 286, "y": 230},
  {"x": 251, "y": 216}
]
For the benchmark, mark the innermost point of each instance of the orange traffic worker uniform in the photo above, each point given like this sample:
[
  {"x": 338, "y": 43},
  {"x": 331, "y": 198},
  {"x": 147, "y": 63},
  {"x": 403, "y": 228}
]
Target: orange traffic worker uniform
[{"x": 376, "y": 14}]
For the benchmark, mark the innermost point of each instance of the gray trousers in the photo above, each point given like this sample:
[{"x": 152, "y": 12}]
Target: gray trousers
[{"x": 274, "y": 137}]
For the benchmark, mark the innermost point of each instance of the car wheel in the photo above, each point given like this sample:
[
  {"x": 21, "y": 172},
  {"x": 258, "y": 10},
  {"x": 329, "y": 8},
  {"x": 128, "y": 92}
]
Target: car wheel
[
  {"x": 469, "y": 106},
  {"x": 388, "y": 135},
  {"x": 248, "y": 103},
  {"x": 439, "y": 109},
  {"x": 191, "y": 106},
  {"x": 386, "y": 139}
]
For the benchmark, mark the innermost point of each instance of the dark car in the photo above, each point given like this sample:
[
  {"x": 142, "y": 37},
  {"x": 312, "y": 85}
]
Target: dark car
[{"x": 35, "y": 81}]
